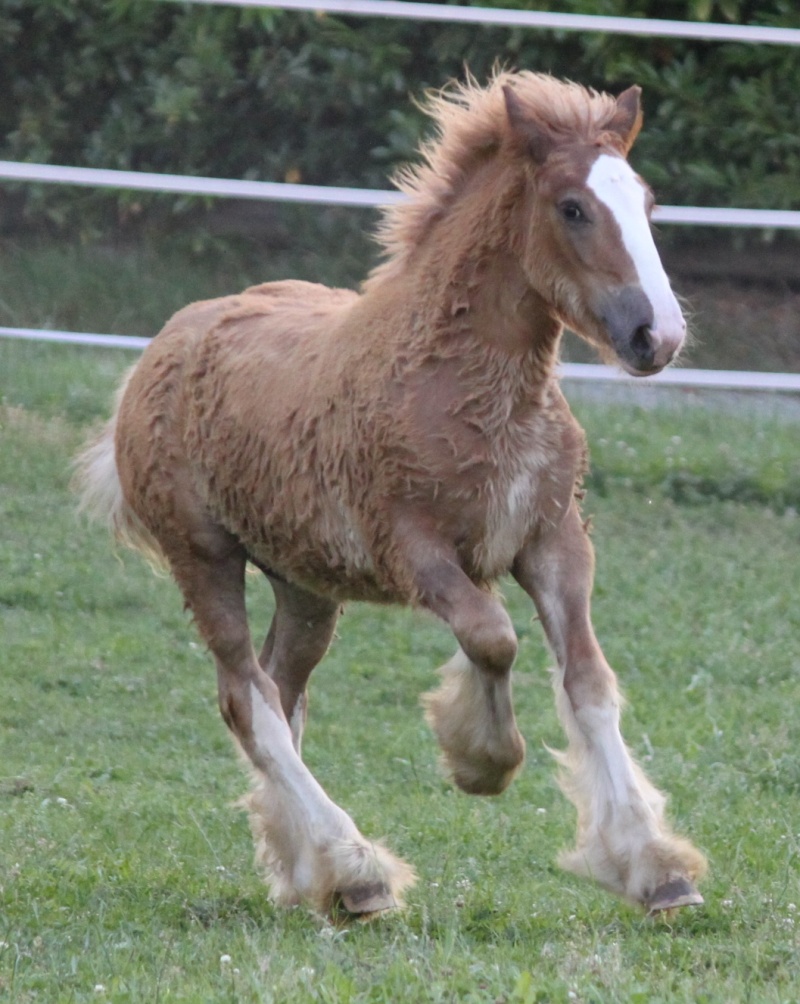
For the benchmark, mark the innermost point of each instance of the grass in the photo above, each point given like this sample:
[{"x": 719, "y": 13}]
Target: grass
[
  {"x": 125, "y": 874},
  {"x": 132, "y": 288}
]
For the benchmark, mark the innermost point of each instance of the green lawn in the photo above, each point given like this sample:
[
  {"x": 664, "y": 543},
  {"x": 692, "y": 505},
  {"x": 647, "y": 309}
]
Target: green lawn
[{"x": 126, "y": 874}]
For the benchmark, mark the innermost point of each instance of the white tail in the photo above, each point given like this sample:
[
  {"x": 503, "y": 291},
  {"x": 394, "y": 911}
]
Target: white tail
[{"x": 101, "y": 498}]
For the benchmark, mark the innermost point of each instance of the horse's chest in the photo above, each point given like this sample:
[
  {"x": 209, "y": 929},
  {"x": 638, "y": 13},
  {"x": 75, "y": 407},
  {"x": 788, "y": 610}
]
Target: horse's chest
[{"x": 533, "y": 494}]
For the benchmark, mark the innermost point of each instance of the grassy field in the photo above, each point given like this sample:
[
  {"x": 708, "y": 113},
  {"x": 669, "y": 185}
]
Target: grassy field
[{"x": 125, "y": 873}]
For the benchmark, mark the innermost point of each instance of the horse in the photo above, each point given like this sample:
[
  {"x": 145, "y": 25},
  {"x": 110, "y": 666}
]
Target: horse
[{"x": 408, "y": 443}]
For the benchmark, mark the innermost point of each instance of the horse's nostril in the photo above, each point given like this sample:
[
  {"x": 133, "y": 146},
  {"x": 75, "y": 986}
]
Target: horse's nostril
[{"x": 642, "y": 344}]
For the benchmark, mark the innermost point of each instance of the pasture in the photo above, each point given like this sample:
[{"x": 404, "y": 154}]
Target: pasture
[{"x": 126, "y": 875}]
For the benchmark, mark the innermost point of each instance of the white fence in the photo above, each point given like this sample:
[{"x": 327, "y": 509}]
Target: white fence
[
  {"x": 329, "y": 195},
  {"x": 582, "y": 372},
  {"x": 768, "y": 219},
  {"x": 654, "y": 27}
]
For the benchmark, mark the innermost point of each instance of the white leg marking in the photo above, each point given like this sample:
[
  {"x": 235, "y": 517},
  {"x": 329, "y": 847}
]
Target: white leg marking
[
  {"x": 311, "y": 849},
  {"x": 623, "y": 840},
  {"x": 616, "y": 785},
  {"x": 297, "y": 722},
  {"x": 273, "y": 739}
]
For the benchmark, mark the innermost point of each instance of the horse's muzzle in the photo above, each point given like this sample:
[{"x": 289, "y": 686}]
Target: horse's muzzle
[{"x": 642, "y": 345}]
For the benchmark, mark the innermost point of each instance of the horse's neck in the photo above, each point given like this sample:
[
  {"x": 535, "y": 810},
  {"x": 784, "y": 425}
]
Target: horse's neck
[
  {"x": 504, "y": 312},
  {"x": 463, "y": 298},
  {"x": 477, "y": 290},
  {"x": 501, "y": 332}
]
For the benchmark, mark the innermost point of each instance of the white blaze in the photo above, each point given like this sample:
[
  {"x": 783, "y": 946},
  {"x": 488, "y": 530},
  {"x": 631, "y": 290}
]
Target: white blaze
[{"x": 615, "y": 184}]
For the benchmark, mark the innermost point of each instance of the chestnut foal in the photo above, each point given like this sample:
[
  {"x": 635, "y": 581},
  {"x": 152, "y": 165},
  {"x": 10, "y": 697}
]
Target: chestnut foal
[{"x": 409, "y": 443}]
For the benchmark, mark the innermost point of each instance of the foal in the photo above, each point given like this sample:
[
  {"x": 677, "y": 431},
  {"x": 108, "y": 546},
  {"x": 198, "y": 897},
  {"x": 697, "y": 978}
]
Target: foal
[{"x": 410, "y": 444}]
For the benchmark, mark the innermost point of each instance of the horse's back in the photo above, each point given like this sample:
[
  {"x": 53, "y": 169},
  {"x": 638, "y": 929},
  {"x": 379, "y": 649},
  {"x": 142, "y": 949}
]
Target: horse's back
[
  {"x": 260, "y": 346},
  {"x": 222, "y": 416},
  {"x": 218, "y": 345},
  {"x": 273, "y": 313}
]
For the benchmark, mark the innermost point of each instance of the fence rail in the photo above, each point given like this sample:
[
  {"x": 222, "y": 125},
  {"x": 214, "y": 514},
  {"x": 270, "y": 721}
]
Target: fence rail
[
  {"x": 330, "y": 195},
  {"x": 654, "y": 27},
  {"x": 585, "y": 372}
]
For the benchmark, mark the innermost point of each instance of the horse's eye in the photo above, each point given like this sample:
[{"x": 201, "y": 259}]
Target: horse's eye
[{"x": 572, "y": 211}]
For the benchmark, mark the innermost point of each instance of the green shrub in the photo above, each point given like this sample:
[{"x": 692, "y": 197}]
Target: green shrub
[{"x": 280, "y": 95}]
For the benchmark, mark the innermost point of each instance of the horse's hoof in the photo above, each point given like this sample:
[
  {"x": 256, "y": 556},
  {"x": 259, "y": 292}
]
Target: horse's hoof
[
  {"x": 675, "y": 893},
  {"x": 365, "y": 900}
]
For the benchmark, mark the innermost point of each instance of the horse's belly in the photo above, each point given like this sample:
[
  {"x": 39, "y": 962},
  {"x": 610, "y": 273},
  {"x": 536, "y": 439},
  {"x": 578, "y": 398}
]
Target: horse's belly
[{"x": 324, "y": 551}]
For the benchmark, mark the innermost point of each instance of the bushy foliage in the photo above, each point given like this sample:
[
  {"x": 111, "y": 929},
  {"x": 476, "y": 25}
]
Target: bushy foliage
[{"x": 278, "y": 95}]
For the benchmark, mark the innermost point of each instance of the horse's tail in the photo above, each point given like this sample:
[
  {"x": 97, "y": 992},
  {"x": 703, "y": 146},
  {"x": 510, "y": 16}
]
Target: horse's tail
[{"x": 97, "y": 482}]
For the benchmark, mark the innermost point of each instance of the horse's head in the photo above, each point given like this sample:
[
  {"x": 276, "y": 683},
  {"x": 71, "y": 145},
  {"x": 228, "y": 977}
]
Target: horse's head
[{"x": 588, "y": 248}]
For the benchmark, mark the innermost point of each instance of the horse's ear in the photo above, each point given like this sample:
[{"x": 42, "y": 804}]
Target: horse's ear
[
  {"x": 627, "y": 119},
  {"x": 531, "y": 135}
]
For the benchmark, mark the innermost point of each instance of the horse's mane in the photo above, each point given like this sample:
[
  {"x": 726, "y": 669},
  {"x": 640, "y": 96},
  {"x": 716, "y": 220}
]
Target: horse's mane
[{"x": 471, "y": 123}]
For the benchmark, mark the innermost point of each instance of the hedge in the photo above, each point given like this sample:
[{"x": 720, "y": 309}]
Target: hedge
[{"x": 278, "y": 95}]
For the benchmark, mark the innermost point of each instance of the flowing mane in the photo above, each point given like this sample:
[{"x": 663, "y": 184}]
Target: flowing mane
[{"x": 471, "y": 123}]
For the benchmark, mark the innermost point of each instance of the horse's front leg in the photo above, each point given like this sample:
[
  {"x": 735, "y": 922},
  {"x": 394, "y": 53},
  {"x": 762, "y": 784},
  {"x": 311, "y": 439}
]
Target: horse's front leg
[
  {"x": 472, "y": 713},
  {"x": 623, "y": 840}
]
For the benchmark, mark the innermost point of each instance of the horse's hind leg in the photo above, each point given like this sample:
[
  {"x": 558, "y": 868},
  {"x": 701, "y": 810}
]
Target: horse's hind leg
[
  {"x": 624, "y": 842},
  {"x": 298, "y": 638},
  {"x": 311, "y": 849}
]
